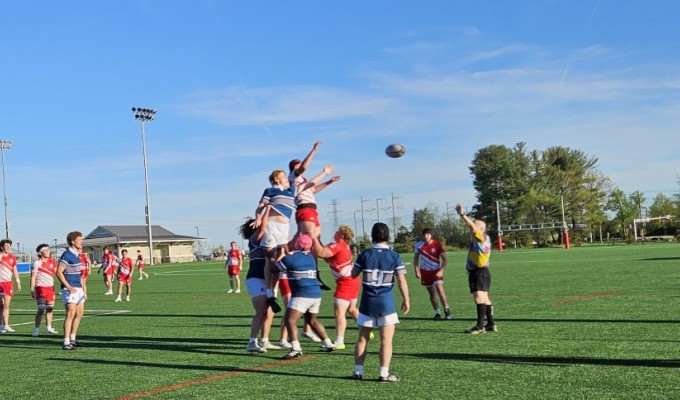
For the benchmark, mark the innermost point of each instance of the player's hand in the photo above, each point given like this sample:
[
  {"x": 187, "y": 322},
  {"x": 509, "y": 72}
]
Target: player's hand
[
  {"x": 18, "y": 287},
  {"x": 328, "y": 169},
  {"x": 317, "y": 145},
  {"x": 405, "y": 307},
  {"x": 417, "y": 273},
  {"x": 459, "y": 209},
  {"x": 334, "y": 179},
  {"x": 99, "y": 271},
  {"x": 439, "y": 274},
  {"x": 33, "y": 293}
]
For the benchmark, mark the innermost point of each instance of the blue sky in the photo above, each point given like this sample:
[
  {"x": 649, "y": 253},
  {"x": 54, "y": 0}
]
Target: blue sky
[{"x": 243, "y": 87}]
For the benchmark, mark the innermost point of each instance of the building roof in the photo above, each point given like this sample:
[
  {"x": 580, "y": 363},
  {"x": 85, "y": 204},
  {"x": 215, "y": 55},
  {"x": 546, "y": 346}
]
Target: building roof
[{"x": 107, "y": 234}]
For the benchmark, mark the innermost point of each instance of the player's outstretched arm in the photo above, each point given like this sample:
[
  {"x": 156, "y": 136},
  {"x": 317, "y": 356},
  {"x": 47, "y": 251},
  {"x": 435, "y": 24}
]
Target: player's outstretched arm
[
  {"x": 327, "y": 170},
  {"x": 324, "y": 185},
  {"x": 308, "y": 160}
]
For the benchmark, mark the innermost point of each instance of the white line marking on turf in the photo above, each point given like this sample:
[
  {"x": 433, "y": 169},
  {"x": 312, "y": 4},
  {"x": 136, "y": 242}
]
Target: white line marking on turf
[
  {"x": 84, "y": 316},
  {"x": 183, "y": 271}
]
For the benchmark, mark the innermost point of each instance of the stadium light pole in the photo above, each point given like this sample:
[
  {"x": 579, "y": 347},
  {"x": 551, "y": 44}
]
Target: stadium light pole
[
  {"x": 5, "y": 145},
  {"x": 146, "y": 115}
]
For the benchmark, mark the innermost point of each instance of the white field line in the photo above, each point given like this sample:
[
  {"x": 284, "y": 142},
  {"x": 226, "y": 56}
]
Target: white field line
[
  {"x": 84, "y": 316},
  {"x": 188, "y": 272}
]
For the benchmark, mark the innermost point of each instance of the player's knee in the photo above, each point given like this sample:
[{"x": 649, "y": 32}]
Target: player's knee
[
  {"x": 42, "y": 307},
  {"x": 49, "y": 307}
]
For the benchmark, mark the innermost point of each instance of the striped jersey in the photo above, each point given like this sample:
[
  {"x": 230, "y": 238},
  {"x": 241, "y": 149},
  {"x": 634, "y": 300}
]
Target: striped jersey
[
  {"x": 429, "y": 254},
  {"x": 7, "y": 264},
  {"x": 282, "y": 200},
  {"x": 377, "y": 267},
  {"x": 70, "y": 261},
  {"x": 301, "y": 270},
  {"x": 44, "y": 270}
]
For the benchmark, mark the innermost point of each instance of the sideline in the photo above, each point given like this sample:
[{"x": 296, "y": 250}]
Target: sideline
[
  {"x": 101, "y": 312},
  {"x": 213, "y": 378}
]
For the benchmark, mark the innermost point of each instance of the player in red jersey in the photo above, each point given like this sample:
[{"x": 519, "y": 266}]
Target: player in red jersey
[
  {"x": 426, "y": 261},
  {"x": 42, "y": 287},
  {"x": 8, "y": 268},
  {"x": 109, "y": 264},
  {"x": 124, "y": 274},
  {"x": 140, "y": 265},
  {"x": 339, "y": 256},
  {"x": 233, "y": 265},
  {"x": 87, "y": 268}
]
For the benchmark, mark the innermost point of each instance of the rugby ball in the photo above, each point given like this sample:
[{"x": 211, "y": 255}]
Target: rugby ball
[{"x": 395, "y": 150}]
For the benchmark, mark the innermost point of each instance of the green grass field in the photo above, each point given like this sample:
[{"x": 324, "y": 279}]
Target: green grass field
[{"x": 585, "y": 323}]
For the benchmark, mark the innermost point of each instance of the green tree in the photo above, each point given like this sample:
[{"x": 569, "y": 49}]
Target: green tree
[
  {"x": 662, "y": 205},
  {"x": 501, "y": 174},
  {"x": 625, "y": 209}
]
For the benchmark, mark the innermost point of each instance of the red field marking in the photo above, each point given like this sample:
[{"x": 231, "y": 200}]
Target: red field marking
[
  {"x": 585, "y": 297},
  {"x": 213, "y": 378}
]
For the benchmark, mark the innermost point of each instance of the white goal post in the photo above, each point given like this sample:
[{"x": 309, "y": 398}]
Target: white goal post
[{"x": 644, "y": 221}]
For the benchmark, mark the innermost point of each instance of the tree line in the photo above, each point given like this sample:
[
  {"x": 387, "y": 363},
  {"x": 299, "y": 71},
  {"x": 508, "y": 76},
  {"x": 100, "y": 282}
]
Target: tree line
[{"x": 535, "y": 187}]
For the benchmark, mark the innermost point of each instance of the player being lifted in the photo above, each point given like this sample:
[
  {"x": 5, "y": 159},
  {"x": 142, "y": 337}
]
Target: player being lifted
[{"x": 306, "y": 214}]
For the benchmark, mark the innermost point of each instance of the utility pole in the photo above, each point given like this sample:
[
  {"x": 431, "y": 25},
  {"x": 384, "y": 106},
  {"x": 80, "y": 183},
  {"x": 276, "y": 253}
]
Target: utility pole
[
  {"x": 334, "y": 213},
  {"x": 394, "y": 217}
]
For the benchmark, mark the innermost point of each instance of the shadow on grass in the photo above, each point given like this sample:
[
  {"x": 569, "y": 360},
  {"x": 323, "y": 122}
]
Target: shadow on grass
[
  {"x": 660, "y": 259},
  {"x": 194, "y": 367},
  {"x": 218, "y": 346},
  {"x": 549, "y": 361},
  {"x": 558, "y": 320},
  {"x": 139, "y": 315}
]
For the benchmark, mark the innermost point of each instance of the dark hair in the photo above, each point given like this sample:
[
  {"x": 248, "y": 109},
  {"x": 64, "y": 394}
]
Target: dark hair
[
  {"x": 293, "y": 163},
  {"x": 72, "y": 236},
  {"x": 124, "y": 251},
  {"x": 247, "y": 230},
  {"x": 3, "y": 241},
  {"x": 380, "y": 233},
  {"x": 427, "y": 230},
  {"x": 40, "y": 246}
]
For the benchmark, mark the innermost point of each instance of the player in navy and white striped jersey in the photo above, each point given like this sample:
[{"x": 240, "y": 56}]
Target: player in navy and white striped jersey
[
  {"x": 300, "y": 267},
  {"x": 68, "y": 272},
  {"x": 379, "y": 266}
]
